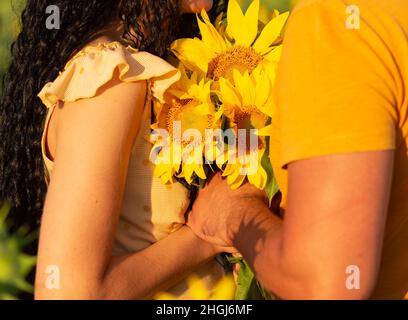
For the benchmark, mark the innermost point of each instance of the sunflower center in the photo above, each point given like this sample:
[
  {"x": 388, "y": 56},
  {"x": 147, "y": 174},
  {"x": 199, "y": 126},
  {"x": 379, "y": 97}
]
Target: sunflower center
[
  {"x": 247, "y": 119},
  {"x": 239, "y": 57},
  {"x": 183, "y": 111}
]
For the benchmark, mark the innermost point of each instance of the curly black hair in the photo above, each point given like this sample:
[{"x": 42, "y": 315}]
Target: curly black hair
[{"x": 38, "y": 55}]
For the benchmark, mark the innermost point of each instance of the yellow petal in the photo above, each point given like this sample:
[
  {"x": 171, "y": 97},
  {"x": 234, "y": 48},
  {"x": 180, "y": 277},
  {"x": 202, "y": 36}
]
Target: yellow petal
[
  {"x": 218, "y": 115},
  {"x": 229, "y": 170},
  {"x": 199, "y": 170},
  {"x": 187, "y": 173},
  {"x": 263, "y": 89},
  {"x": 179, "y": 94},
  {"x": 160, "y": 169},
  {"x": 270, "y": 33},
  {"x": 245, "y": 86},
  {"x": 251, "y": 21},
  {"x": 236, "y": 25},
  {"x": 275, "y": 13},
  {"x": 275, "y": 54},
  {"x": 259, "y": 178},
  {"x": 188, "y": 51},
  {"x": 202, "y": 109},
  {"x": 209, "y": 34},
  {"x": 201, "y": 91},
  {"x": 167, "y": 178},
  {"x": 268, "y": 108},
  {"x": 237, "y": 182},
  {"x": 228, "y": 94},
  {"x": 235, "y": 176},
  {"x": 218, "y": 21}
]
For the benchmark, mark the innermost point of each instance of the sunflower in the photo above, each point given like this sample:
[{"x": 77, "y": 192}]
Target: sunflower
[
  {"x": 241, "y": 47},
  {"x": 181, "y": 125},
  {"x": 248, "y": 106}
]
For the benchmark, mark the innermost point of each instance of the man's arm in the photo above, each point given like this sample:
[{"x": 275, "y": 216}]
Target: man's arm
[
  {"x": 338, "y": 101},
  {"x": 335, "y": 218}
]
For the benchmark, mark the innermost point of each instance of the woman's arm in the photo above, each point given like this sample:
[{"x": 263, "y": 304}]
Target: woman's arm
[
  {"x": 93, "y": 141},
  {"x": 335, "y": 217}
]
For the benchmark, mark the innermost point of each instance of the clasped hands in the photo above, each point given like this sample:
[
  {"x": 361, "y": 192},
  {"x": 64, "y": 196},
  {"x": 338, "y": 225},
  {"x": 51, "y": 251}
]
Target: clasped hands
[{"x": 218, "y": 212}]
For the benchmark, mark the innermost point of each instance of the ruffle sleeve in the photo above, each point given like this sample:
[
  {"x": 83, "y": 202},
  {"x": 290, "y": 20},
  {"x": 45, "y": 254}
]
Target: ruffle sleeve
[{"x": 94, "y": 66}]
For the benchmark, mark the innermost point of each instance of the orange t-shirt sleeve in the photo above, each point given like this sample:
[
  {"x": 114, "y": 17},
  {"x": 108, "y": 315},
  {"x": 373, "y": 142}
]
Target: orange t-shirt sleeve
[{"x": 336, "y": 87}]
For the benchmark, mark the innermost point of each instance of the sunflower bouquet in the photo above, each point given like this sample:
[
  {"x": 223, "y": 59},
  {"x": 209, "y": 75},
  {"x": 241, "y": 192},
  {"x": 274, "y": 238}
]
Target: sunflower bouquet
[{"x": 217, "y": 117}]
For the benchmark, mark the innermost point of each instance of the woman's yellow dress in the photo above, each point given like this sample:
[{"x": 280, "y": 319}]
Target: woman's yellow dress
[{"x": 150, "y": 210}]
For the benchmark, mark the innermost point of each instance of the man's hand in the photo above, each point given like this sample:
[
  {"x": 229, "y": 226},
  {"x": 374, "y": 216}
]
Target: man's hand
[{"x": 219, "y": 211}]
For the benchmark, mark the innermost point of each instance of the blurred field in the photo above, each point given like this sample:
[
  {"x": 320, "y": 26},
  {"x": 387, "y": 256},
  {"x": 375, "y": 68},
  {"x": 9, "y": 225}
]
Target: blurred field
[
  {"x": 9, "y": 26},
  {"x": 281, "y": 5}
]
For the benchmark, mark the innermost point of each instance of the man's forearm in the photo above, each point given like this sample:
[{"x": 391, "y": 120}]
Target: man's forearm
[{"x": 259, "y": 239}]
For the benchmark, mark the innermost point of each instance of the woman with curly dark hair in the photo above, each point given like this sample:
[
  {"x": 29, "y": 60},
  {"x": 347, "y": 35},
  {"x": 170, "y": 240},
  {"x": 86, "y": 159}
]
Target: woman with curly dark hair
[{"x": 75, "y": 112}]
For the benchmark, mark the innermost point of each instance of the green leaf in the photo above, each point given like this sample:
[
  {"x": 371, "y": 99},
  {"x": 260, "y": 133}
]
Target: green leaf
[
  {"x": 272, "y": 186},
  {"x": 245, "y": 282},
  {"x": 233, "y": 260},
  {"x": 248, "y": 287}
]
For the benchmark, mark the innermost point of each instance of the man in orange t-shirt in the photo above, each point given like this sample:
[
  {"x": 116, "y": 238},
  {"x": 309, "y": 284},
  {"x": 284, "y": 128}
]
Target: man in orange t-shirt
[{"x": 339, "y": 151}]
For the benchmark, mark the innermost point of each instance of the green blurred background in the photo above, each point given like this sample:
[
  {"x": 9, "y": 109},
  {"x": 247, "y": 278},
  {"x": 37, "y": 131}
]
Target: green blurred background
[
  {"x": 9, "y": 26},
  {"x": 14, "y": 264}
]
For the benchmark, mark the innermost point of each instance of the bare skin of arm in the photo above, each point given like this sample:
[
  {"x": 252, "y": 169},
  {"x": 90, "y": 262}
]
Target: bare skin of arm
[
  {"x": 335, "y": 217},
  {"x": 93, "y": 140}
]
